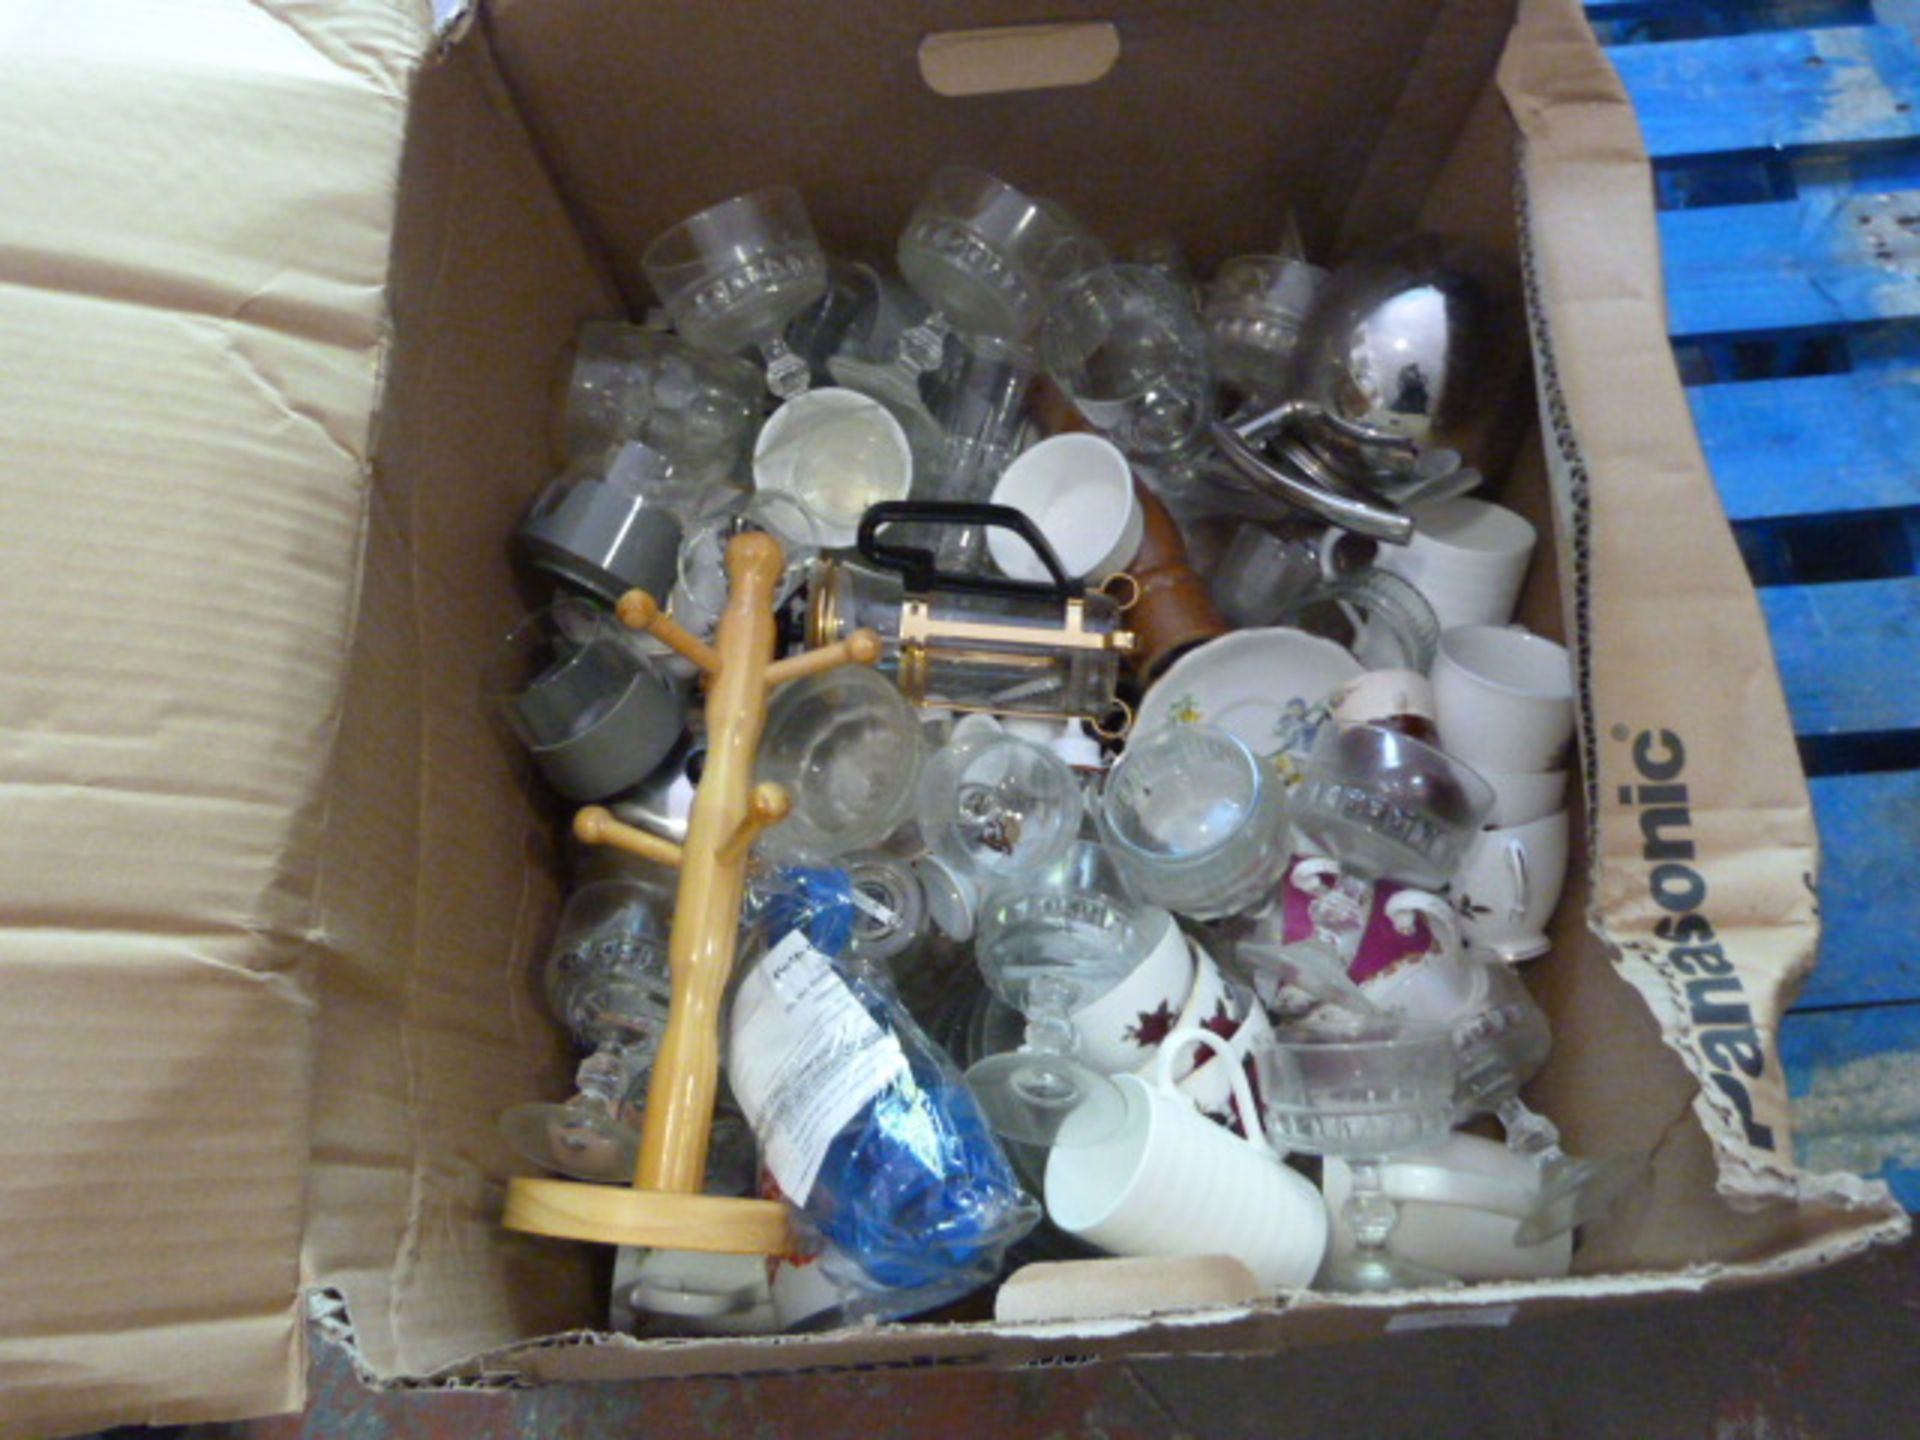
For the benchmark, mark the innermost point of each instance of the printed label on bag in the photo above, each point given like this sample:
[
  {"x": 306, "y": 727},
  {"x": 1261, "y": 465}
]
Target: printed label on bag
[{"x": 805, "y": 1058}]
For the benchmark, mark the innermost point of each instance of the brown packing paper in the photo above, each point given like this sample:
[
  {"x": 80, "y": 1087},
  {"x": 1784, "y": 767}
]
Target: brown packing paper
[
  {"x": 191, "y": 257},
  {"x": 1704, "y": 850}
]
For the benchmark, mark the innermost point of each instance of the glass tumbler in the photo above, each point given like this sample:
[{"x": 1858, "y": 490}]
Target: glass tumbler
[
  {"x": 1260, "y": 574},
  {"x": 624, "y": 384},
  {"x": 734, "y": 275},
  {"x": 1125, "y": 343},
  {"x": 700, "y": 583},
  {"x": 846, "y": 745},
  {"x": 1196, "y": 821},
  {"x": 1384, "y": 620}
]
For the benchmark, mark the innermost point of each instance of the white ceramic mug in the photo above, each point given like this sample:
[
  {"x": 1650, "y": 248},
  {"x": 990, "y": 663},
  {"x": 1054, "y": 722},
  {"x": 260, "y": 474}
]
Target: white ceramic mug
[
  {"x": 1504, "y": 698},
  {"x": 1172, "y": 1182},
  {"x": 1460, "y": 1204},
  {"x": 1078, "y": 491},
  {"x": 1520, "y": 796},
  {"x": 1121, "y": 1030},
  {"x": 1468, "y": 557},
  {"x": 1506, "y": 887},
  {"x": 1238, "y": 1022}
]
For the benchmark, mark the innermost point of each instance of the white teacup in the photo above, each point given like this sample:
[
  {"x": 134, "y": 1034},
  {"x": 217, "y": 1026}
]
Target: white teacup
[
  {"x": 1239, "y": 1023},
  {"x": 1121, "y": 1030},
  {"x": 837, "y": 452},
  {"x": 1520, "y": 796},
  {"x": 1460, "y": 1204},
  {"x": 1504, "y": 698},
  {"x": 1468, "y": 557},
  {"x": 1437, "y": 988},
  {"x": 1078, "y": 491},
  {"x": 1172, "y": 1182},
  {"x": 1506, "y": 887}
]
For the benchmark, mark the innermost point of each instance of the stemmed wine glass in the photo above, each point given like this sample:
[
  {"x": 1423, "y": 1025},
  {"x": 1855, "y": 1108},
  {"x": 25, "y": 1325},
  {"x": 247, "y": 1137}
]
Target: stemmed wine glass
[
  {"x": 1381, "y": 805},
  {"x": 1049, "y": 943},
  {"x": 733, "y": 275},
  {"x": 1365, "y": 1100},
  {"x": 986, "y": 258},
  {"x": 606, "y": 980},
  {"x": 1500, "y": 1046},
  {"x": 994, "y": 805}
]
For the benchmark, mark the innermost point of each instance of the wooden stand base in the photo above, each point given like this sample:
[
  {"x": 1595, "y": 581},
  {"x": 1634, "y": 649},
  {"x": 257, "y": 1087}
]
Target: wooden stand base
[{"x": 620, "y": 1215}]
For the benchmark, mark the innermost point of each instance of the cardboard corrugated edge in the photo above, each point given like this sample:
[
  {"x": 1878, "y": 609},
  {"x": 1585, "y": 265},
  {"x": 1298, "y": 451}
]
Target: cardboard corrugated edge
[
  {"x": 1704, "y": 895},
  {"x": 440, "y": 872},
  {"x": 1295, "y": 1320}
]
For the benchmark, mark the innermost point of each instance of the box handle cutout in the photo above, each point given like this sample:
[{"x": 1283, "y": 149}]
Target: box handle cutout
[{"x": 1018, "y": 57}]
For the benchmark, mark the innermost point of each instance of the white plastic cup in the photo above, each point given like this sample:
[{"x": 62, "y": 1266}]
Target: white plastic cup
[
  {"x": 1504, "y": 698},
  {"x": 1172, "y": 1182},
  {"x": 1507, "y": 887},
  {"x": 1468, "y": 557},
  {"x": 1078, "y": 491}
]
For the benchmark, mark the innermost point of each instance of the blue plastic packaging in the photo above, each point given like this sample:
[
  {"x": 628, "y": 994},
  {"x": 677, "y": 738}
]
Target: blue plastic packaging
[{"x": 914, "y": 1189}]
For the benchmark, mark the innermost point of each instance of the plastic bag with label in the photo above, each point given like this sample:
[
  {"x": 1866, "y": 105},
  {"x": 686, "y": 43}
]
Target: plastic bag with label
[{"x": 864, "y": 1123}]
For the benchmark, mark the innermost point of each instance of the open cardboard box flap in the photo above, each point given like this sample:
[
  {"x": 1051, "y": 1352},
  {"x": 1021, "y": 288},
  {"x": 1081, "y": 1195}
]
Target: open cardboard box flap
[{"x": 283, "y": 302}]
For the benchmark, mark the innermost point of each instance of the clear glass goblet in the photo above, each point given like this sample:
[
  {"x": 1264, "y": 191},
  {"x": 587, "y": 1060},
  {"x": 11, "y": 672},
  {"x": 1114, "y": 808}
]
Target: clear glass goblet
[
  {"x": 1500, "y": 1047},
  {"x": 606, "y": 980},
  {"x": 1366, "y": 1101},
  {"x": 1047, "y": 944},
  {"x": 1126, "y": 345},
  {"x": 987, "y": 258},
  {"x": 1380, "y": 805},
  {"x": 733, "y": 275},
  {"x": 996, "y": 805}
]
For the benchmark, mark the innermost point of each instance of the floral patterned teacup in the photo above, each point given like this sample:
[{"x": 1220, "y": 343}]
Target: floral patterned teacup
[
  {"x": 1230, "y": 1010},
  {"x": 1122, "y": 1029},
  {"x": 1507, "y": 886}
]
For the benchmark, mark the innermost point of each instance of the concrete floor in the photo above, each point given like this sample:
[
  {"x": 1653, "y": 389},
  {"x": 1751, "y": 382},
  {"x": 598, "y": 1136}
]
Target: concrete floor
[{"x": 1825, "y": 1357}]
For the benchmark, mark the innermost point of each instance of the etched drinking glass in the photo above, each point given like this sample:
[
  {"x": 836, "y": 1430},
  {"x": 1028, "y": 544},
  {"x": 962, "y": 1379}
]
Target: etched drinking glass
[{"x": 732, "y": 276}]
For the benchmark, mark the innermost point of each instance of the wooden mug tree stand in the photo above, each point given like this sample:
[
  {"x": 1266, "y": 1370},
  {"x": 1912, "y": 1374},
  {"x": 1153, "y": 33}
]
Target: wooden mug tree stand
[{"x": 665, "y": 1205}]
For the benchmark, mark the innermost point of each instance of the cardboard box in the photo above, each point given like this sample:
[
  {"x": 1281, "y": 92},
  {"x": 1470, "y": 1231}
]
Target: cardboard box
[{"x": 285, "y": 286}]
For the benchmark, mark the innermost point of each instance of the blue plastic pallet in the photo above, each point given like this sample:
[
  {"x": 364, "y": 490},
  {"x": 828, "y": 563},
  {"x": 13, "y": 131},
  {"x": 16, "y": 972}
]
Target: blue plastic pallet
[{"x": 1785, "y": 139}]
